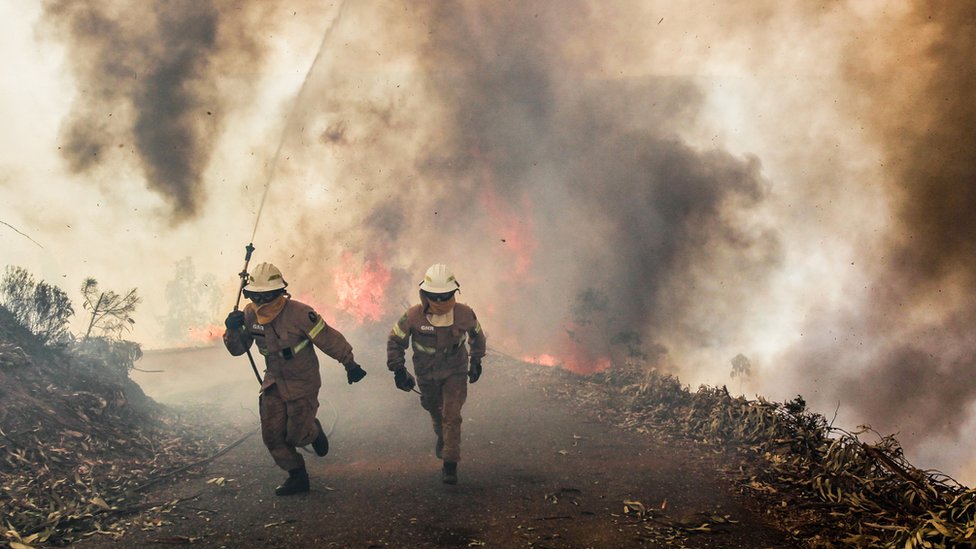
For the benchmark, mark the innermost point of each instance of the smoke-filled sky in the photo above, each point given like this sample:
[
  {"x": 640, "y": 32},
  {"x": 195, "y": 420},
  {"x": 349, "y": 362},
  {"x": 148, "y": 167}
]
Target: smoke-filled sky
[{"x": 684, "y": 181}]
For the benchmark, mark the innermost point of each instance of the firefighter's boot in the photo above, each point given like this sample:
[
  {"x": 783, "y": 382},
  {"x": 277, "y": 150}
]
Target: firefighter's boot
[
  {"x": 449, "y": 473},
  {"x": 321, "y": 442},
  {"x": 296, "y": 483},
  {"x": 439, "y": 447}
]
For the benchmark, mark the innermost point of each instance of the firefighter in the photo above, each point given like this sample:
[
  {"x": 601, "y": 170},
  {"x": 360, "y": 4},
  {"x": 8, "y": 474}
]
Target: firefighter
[
  {"x": 437, "y": 328},
  {"x": 283, "y": 330}
]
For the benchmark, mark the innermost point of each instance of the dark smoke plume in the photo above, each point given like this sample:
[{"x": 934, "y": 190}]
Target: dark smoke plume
[{"x": 149, "y": 81}]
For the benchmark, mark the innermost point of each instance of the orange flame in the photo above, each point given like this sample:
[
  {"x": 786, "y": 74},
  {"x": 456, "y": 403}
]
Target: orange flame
[
  {"x": 576, "y": 358},
  {"x": 543, "y": 360},
  {"x": 361, "y": 291}
]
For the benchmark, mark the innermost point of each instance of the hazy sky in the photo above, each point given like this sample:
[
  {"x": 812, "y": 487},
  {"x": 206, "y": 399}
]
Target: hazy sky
[{"x": 711, "y": 178}]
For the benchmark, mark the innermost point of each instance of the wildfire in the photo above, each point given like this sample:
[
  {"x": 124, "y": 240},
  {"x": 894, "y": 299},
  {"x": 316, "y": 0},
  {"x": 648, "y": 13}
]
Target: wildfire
[
  {"x": 576, "y": 359},
  {"x": 543, "y": 360},
  {"x": 360, "y": 291}
]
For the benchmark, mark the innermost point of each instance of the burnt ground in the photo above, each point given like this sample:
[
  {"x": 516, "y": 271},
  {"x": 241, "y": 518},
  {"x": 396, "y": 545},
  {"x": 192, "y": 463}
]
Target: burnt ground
[{"x": 536, "y": 472}]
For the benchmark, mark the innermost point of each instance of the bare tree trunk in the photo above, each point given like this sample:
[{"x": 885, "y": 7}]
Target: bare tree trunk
[{"x": 94, "y": 315}]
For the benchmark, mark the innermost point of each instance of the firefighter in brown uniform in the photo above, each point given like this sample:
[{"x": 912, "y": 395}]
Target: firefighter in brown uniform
[
  {"x": 283, "y": 329},
  {"x": 438, "y": 329}
]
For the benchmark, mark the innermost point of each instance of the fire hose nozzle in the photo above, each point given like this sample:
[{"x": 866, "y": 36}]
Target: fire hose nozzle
[{"x": 247, "y": 259}]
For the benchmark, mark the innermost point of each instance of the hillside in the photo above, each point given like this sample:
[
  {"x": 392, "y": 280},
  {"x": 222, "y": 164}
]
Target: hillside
[{"x": 79, "y": 441}]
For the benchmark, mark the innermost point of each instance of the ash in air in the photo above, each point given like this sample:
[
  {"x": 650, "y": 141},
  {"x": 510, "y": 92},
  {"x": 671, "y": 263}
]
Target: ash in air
[{"x": 568, "y": 160}]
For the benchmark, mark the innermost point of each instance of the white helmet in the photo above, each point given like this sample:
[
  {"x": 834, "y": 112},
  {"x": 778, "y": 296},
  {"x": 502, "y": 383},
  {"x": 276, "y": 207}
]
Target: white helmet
[
  {"x": 439, "y": 280},
  {"x": 265, "y": 278}
]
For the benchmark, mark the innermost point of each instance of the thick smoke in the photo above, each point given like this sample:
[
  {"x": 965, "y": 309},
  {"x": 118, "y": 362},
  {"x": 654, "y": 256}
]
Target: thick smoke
[
  {"x": 539, "y": 149},
  {"x": 154, "y": 80},
  {"x": 905, "y": 355},
  {"x": 569, "y": 203}
]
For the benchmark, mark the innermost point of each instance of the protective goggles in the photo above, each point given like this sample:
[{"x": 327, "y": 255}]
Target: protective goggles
[
  {"x": 446, "y": 296},
  {"x": 260, "y": 298}
]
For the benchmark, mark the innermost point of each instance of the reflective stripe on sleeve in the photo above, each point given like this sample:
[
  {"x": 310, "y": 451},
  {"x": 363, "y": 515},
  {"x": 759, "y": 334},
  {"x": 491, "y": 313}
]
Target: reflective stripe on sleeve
[
  {"x": 398, "y": 331},
  {"x": 477, "y": 327},
  {"x": 316, "y": 329}
]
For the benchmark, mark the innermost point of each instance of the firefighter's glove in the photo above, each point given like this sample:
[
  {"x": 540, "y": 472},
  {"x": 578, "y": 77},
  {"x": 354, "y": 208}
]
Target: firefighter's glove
[
  {"x": 354, "y": 372},
  {"x": 474, "y": 371},
  {"x": 403, "y": 380},
  {"x": 235, "y": 320}
]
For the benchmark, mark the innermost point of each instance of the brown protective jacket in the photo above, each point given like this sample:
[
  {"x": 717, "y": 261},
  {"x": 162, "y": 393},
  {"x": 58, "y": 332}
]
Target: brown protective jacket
[
  {"x": 438, "y": 351},
  {"x": 283, "y": 337}
]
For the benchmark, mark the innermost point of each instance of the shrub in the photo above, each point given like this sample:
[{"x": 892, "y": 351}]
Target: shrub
[{"x": 41, "y": 308}]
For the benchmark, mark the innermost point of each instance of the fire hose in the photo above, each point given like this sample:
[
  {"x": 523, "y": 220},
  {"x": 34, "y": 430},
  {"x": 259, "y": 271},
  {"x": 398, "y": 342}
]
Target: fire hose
[{"x": 289, "y": 122}]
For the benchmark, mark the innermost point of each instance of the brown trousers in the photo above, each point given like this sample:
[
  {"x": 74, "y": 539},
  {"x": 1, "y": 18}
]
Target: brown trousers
[
  {"x": 287, "y": 424},
  {"x": 443, "y": 398}
]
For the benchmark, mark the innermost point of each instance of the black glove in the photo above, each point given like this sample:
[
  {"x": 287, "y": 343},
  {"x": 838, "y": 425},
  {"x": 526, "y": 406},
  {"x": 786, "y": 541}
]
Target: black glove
[
  {"x": 354, "y": 372},
  {"x": 474, "y": 371},
  {"x": 235, "y": 320},
  {"x": 403, "y": 380}
]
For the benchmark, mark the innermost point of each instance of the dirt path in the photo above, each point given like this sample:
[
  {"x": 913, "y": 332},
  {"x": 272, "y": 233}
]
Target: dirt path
[{"x": 534, "y": 474}]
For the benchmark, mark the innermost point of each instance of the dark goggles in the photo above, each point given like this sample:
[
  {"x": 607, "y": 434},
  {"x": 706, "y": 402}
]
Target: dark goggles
[
  {"x": 260, "y": 298},
  {"x": 446, "y": 296}
]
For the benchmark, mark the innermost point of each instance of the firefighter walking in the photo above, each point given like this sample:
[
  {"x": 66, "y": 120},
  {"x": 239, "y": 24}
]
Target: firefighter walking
[
  {"x": 438, "y": 329},
  {"x": 285, "y": 331}
]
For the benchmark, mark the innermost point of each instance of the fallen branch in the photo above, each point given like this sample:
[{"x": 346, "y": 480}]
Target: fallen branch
[
  {"x": 216, "y": 455},
  {"x": 890, "y": 464}
]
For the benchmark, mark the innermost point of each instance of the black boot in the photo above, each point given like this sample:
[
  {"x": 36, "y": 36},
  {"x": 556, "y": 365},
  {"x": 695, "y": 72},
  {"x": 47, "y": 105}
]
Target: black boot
[
  {"x": 321, "y": 442},
  {"x": 439, "y": 447},
  {"x": 449, "y": 472},
  {"x": 296, "y": 483}
]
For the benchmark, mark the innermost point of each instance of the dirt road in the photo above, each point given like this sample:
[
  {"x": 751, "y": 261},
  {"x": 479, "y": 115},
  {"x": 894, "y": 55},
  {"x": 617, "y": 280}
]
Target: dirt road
[{"x": 535, "y": 473}]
